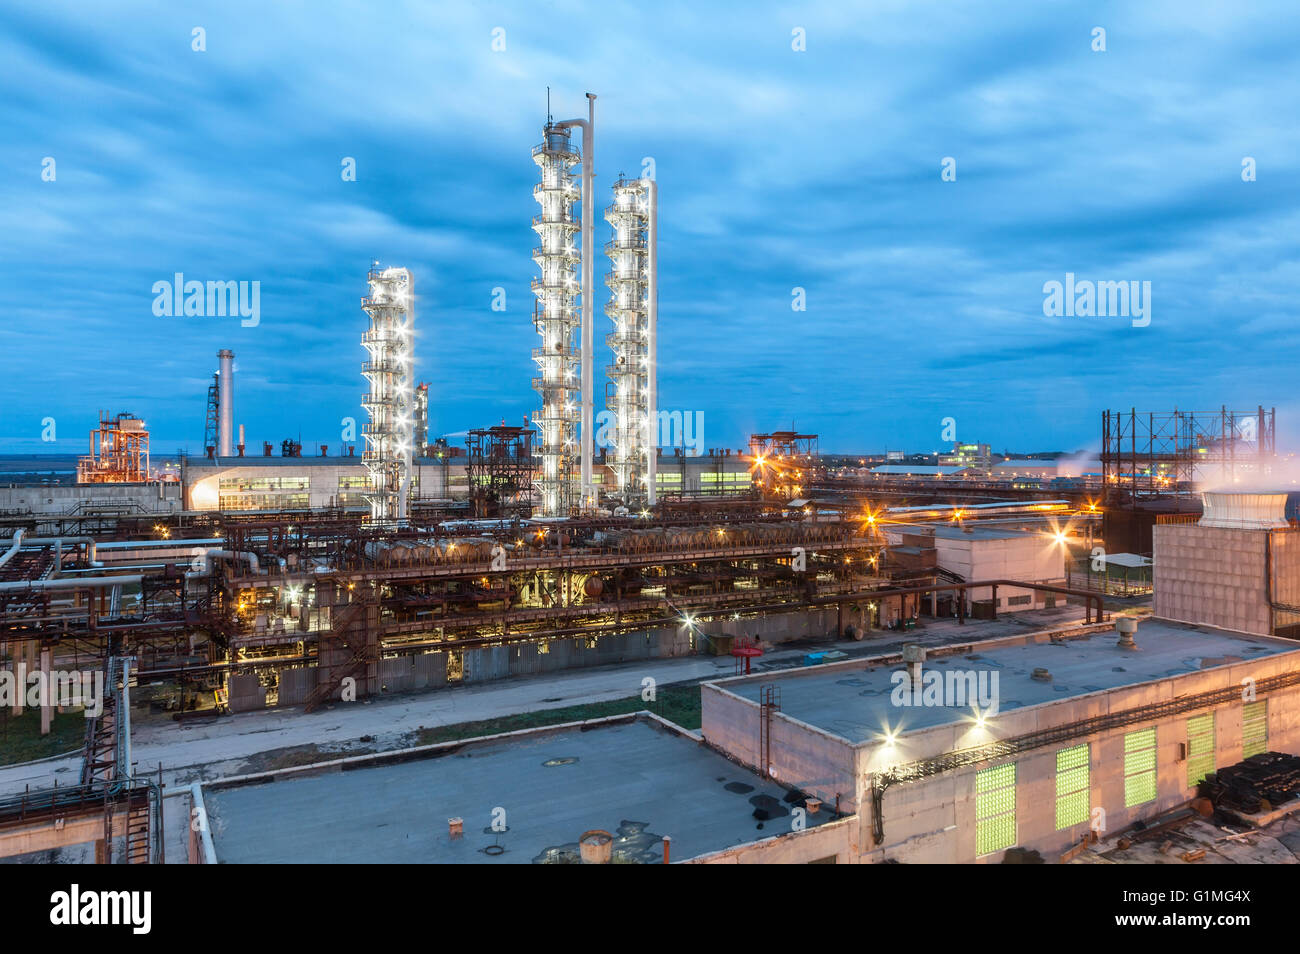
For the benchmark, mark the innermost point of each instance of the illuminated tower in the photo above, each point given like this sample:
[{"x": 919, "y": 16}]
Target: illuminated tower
[
  {"x": 561, "y": 357},
  {"x": 390, "y": 401},
  {"x": 633, "y": 282}
]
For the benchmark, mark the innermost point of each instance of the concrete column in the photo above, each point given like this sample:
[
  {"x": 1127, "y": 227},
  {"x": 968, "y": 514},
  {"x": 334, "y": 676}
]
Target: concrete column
[{"x": 47, "y": 711}]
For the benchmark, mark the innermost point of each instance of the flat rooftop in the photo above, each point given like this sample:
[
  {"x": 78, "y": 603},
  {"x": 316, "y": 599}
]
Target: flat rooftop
[
  {"x": 854, "y": 702},
  {"x": 636, "y": 779}
]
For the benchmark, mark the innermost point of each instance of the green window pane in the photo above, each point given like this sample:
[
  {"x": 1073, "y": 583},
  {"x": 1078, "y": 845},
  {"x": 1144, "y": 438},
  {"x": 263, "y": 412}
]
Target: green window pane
[
  {"x": 1139, "y": 767},
  {"x": 1254, "y": 728},
  {"x": 1072, "y": 801},
  {"x": 1200, "y": 748},
  {"x": 995, "y": 808}
]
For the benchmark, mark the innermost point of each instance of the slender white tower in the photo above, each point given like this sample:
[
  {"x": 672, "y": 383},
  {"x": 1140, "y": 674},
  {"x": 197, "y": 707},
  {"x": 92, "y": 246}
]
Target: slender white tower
[
  {"x": 390, "y": 401},
  {"x": 225, "y": 402},
  {"x": 565, "y": 370},
  {"x": 633, "y": 308}
]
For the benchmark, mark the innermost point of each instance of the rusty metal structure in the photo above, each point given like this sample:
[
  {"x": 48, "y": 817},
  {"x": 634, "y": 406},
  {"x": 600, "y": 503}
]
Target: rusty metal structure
[
  {"x": 1165, "y": 454},
  {"x": 119, "y": 452},
  {"x": 499, "y": 470},
  {"x": 784, "y": 463}
]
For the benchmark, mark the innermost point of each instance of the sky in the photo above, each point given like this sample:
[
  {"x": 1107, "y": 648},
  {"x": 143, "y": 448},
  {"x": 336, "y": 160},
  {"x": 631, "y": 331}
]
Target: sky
[{"x": 800, "y": 152}]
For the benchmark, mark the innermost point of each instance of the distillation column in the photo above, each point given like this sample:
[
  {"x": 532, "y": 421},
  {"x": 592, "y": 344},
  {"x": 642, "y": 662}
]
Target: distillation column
[
  {"x": 556, "y": 318},
  {"x": 390, "y": 400},
  {"x": 633, "y": 308}
]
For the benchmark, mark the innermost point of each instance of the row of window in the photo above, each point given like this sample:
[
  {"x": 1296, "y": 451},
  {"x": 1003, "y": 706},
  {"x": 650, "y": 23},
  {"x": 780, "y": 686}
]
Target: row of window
[
  {"x": 995, "y": 788},
  {"x": 246, "y": 484},
  {"x": 263, "y": 502}
]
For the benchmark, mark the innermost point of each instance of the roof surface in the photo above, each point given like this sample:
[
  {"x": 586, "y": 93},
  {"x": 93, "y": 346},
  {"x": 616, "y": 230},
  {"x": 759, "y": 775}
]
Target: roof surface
[
  {"x": 855, "y": 703},
  {"x": 635, "y": 779}
]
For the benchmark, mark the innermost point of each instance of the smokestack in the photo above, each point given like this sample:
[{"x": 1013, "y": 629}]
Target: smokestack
[
  {"x": 240, "y": 448},
  {"x": 225, "y": 403}
]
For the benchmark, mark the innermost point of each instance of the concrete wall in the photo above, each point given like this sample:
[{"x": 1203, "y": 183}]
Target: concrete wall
[
  {"x": 835, "y": 840},
  {"x": 153, "y": 498},
  {"x": 1213, "y": 576},
  {"x": 802, "y": 756}
]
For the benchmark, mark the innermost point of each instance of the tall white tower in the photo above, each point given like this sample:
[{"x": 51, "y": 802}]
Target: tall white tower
[
  {"x": 633, "y": 282},
  {"x": 390, "y": 401},
  {"x": 556, "y": 318}
]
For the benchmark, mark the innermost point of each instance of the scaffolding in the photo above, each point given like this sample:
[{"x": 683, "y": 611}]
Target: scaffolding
[
  {"x": 119, "y": 452},
  {"x": 633, "y": 284},
  {"x": 499, "y": 470},
  {"x": 1167, "y": 453},
  {"x": 556, "y": 318},
  {"x": 390, "y": 400}
]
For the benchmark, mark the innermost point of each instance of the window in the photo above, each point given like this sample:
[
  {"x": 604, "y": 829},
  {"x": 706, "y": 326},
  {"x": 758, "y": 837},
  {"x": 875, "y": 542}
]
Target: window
[
  {"x": 1139, "y": 767},
  {"x": 1072, "y": 802},
  {"x": 1200, "y": 748},
  {"x": 1019, "y": 600},
  {"x": 1254, "y": 728},
  {"x": 995, "y": 808}
]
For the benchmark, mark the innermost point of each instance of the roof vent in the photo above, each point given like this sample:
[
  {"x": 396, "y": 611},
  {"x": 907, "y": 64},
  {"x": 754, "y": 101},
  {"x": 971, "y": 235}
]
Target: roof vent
[
  {"x": 596, "y": 847},
  {"x": 1127, "y": 628},
  {"x": 1042, "y": 675}
]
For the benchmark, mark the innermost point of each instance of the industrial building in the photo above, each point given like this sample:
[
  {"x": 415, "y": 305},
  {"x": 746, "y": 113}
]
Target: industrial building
[{"x": 259, "y": 580}]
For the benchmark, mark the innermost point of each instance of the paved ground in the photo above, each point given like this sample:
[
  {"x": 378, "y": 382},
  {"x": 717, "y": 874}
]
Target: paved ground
[{"x": 222, "y": 747}]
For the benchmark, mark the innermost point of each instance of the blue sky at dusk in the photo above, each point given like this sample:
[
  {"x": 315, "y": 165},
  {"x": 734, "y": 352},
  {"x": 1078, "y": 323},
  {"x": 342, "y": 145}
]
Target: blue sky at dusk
[{"x": 777, "y": 168}]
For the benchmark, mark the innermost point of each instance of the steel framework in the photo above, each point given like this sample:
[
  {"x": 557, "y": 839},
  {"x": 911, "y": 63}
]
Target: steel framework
[
  {"x": 499, "y": 468},
  {"x": 1167, "y": 453}
]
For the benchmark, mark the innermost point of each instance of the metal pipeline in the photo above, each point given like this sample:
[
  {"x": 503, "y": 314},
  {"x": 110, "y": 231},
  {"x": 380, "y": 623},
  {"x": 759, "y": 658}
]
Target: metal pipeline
[
  {"x": 207, "y": 555},
  {"x": 58, "y": 542},
  {"x": 73, "y": 582},
  {"x": 18, "y": 542}
]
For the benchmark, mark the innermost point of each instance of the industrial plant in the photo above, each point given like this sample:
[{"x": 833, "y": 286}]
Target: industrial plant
[{"x": 814, "y": 613}]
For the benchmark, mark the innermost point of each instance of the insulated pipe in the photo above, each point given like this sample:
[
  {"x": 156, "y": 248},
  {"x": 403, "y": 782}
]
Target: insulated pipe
[
  {"x": 58, "y": 542},
  {"x": 207, "y": 555},
  {"x": 73, "y": 583},
  {"x": 588, "y": 302},
  {"x": 408, "y": 406},
  {"x": 18, "y": 542},
  {"x": 587, "y": 438},
  {"x": 652, "y": 346},
  {"x": 225, "y": 403}
]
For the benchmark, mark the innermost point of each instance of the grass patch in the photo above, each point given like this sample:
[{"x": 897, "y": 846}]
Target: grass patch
[
  {"x": 678, "y": 703},
  {"x": 21, "y": 739}
]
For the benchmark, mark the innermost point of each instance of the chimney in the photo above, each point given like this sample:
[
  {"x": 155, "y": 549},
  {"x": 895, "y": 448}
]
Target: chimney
[
  {"x": 240, "y": 447},
  {"x": 225, "y": 402}
]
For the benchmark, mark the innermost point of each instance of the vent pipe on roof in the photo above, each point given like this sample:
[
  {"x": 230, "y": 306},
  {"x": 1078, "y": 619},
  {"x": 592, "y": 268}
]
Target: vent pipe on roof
[
  {"x": 1127, "y": 628},
  {"x": 596, "y": 847},
  {"x": 914, "y": 656}
]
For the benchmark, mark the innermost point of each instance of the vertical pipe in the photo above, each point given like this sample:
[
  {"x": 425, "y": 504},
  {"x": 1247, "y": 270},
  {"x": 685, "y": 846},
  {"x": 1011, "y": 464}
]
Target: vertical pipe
[
  {"x": 588, "y": 296},
  {"x": 225, "y": 402},
  {"x": 652, "y": 346}
]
